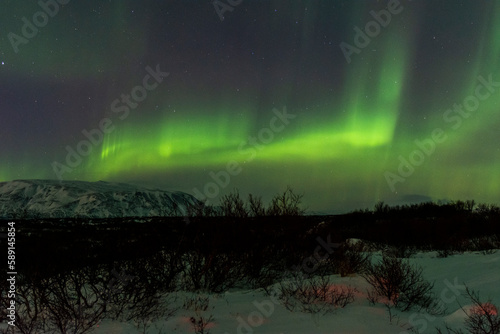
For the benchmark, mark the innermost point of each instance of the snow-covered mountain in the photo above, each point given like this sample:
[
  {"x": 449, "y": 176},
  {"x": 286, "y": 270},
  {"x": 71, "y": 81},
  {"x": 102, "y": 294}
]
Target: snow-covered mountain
[{"x": 67, "y": 199}]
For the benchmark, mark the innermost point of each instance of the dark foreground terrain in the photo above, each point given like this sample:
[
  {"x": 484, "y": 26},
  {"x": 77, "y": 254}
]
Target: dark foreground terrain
[
  {"x": 74, "y": 273},
  {"x": 52, "y": 245}
]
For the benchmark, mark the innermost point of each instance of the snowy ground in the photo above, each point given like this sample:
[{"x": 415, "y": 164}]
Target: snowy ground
[{"x": 252, "y": 311}]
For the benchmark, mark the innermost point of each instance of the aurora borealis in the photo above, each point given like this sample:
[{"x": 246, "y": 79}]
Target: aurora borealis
[{"x": 262, "y": 99}]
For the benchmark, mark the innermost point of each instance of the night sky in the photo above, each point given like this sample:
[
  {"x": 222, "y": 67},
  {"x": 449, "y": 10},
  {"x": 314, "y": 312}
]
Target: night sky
[{"x": 349, "y": 102}]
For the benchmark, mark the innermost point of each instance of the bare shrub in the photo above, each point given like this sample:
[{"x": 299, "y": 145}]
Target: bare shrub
[
  {"x": 76, "y": 301},
  {"x": 401, "y": 251},
  {"x": 31, "y": 311},
  {"x": 485, "y": 244},
  {"x": 263, "y": 266},
  {"x": 139, "y": 299},
  {"x": 200, "y": 209},
  {"x": 211, "y": 272},
  {"x": 161, "y": 269},
  {"x": 444, "y": 253},
  {"x": 196, "y": 303},
  {"x": 73, "y": 303},
  {"x": 314, "y": 295},
  {"x": 496, "y": 240},
  {"x": 486, "y": 210},
  {"x": 286, "y": 204},
  {"x": 232, "y": 205},
  {"x": 372, "y": 296},
  {"x": 482, "y": 318},
  {"x": 350, "y": 259},
  {"x": 381, "y": 208},
  {"x": 401, "y": 283},
  {"x": 256, "y": 207},
  {"x": 200, "y": 324},
  {"x": 199, "y": 304}
]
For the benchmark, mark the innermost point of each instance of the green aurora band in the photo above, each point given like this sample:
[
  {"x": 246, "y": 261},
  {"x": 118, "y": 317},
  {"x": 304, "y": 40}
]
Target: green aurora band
[
  {"x": 364, "y": 142},
  {"x": 364, "y": 133},
  {"x": 349, "y": 142}
]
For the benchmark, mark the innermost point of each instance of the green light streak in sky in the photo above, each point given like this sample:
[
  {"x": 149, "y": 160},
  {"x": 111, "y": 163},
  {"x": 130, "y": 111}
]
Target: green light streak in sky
[
  {"x": 493, "y": 46},
  {"x": 347, "y": 143},
  {"x": 372, "y": 108},
  {"x": 375, "y": 91},
  {"x": 475, "y": 169},
  {"x": 179, "y": 140},
  {"x": 205, "y": 138}
]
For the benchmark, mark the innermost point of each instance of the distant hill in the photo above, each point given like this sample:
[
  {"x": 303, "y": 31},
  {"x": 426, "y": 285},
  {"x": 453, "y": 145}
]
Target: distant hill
[{"x": 67, "y": 199}]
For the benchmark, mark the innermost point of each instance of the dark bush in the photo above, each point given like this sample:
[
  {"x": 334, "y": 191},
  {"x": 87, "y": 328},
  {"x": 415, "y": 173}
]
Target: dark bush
[
  {"x": 286, "y": 204},
  {"x": 350, "y": 259},
  {"x": 313, "y": 294},
  {"x": 482, "y": 318},
  {"x": 76, "y": 301},
  {"x": 211, "y": 272},
  {"x": 232, "y": 205},
  {"x": 401, "y": 283}
]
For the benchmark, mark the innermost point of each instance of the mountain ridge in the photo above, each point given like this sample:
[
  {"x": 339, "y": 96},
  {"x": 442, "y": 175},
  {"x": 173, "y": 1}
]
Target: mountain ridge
[{"x": 83, "y": 199}]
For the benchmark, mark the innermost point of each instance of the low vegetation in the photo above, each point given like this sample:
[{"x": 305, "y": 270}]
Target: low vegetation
[
  {"x": 399, "y": 284},
  {"x": 481, "y": 318},
  {"x": 81, "y": 272}
]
